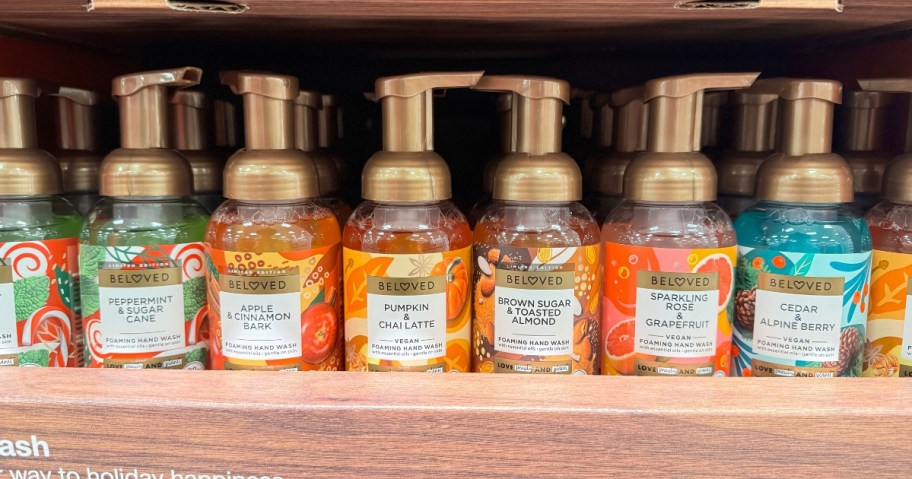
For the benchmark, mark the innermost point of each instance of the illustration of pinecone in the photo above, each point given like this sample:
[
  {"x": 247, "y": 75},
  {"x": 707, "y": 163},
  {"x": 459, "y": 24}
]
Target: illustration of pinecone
[
  {"x": 849, "y": 347},
  {"x": 745, "y": 306}
]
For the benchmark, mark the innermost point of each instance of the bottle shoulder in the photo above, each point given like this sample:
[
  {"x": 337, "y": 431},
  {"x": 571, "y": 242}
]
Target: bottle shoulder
[
  {"x": 803, "y": 228},
  {"x": 272, "y": 227},
  {"x": 406, "y": 228},
  {"x": 139, "y": 222},
  {"x": 669, "y": 225},
  {"x": 38, "y": 219},
  {"x": 536, "y": 225}
]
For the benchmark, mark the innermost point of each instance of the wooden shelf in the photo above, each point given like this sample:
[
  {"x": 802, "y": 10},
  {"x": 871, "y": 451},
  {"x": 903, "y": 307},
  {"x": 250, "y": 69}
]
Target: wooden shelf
[
  {"x": 294, "y": 425},
  {"x": 614, "y": 23}
]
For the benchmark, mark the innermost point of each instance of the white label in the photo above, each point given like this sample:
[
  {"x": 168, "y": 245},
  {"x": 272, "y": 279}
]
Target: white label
[
  {"x": 906, "y": 351},
  {"x": 680, "y": 324},
  {"x": 140, "y": 320},
  {"x": 534, "y": 322},
  {"x": 261, "y": 327},
  {"x": 406, "y": 328},
  {"x": 797, "y": 327},
  {"x": 7, "y": 317}
]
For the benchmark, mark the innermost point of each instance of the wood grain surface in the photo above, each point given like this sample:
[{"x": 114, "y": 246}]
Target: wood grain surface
[
  {"x": 380, "y": 425},
  {"x": 618, "y": 23}
]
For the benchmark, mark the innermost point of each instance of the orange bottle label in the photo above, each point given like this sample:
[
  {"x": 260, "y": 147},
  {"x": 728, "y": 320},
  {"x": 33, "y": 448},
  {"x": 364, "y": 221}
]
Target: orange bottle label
[
  {"x": 888, "y": 349},
  {"x": 537, "y": 309},
  {"x": 407, "y": 312},
  {"x": 39, "y": 303},
  {"x": 667, "y": 311},
  {"x": 275, "y": 311}
]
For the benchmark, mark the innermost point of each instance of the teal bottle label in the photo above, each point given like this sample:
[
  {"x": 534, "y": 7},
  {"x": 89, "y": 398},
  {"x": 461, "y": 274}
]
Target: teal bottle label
[{"x": 800, "y": 314}]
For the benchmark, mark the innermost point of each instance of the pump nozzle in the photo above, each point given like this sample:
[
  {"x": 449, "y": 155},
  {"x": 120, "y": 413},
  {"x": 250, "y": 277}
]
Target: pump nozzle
[
  {"x": 307, "y": 104},
  {"x": 145, "y": 165},
  {"x": 603, "y": 122},
  {"x": 804, "y": 170},
  {"x": 143, "y": 101},
  {"x": 269, "y": 168},
  {"x": 408, "y": 170},
  {"x": 897, "y": 180},
  {"x": 538, "y": 170},
  {"x": 408, "y": 113},
  {"x": 676, "y": 108},
  {"x": 75, "y": 118},
  {"x": 24, "y": 169}
]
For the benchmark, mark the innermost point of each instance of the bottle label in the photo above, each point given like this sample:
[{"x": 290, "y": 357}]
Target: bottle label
[
  {"x": 38, "y": 304},
  {"x": 800, "y": 314},
  {"x": 144, "y": 307},
  {"x": 407, "y": 312},
  {"x": 888, "y": 348},
  {"x": 667, "y": 310},
  {"x": 537, "y": 309},
  {"x": 276, "y": 311}
]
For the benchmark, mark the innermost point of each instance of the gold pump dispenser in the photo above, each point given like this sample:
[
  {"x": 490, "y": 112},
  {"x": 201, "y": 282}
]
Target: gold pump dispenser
[
  {"x": 308, "y": 137},
  {"x": 631, "y": 122},
  {"x": 25, "y": 170},
  {"x": 672, "y": 169},
  {"x": 190, "y": 131},
  {"x": 804, "y": 169},
  {"x": 329, "y": 128},
  {"x": 507, "y": 141},
  {"x": 145, "y": 165},
  {"x": 602, "y": 130},
  {"x": 269, "y": 168},
  {"x": 76, "y": 145},
  {"x": 897, "y": 181},
  {"x": 754, "y": 140},
  {"x": 861, "y": 128},
  {"x": 226, "y": 125},
  {"x": 537, "y": 170},
  {"x": 407, "y": 169}
]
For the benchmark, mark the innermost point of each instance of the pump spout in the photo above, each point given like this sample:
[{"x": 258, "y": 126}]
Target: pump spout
[
  {"x": 676, "y": 108},
  {"x": 143, "y": 101},
  {"x": 408, "y": 112}
]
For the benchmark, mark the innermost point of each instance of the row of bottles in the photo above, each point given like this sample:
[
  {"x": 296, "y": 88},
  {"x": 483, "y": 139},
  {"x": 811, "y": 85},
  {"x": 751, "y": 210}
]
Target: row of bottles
[{"x": 281, "y": 278}]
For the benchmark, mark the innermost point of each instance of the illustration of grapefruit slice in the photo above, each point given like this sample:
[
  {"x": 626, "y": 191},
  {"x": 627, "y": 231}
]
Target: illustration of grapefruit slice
[
  {"x": 619, "y": 346},
  {"x": 719, "y": 263}
]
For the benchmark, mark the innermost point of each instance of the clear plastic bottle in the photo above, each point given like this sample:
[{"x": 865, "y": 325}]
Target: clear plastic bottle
[
  {"x": 804, "y": 257},
  {"x": 39, "y": 278},
  {"x": 537, "y": 284},
  {"x": 274, "y": 251},
  {"x": 669, "y": 250},
  {"x": 407, "y": 248},
  {"x": 141, "y": 255}
]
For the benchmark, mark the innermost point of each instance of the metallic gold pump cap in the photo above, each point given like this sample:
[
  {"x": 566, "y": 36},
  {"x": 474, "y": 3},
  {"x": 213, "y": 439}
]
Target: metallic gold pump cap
[
  {"x": 631, "y": 122},
  {"x": 603, "y": 119},
  {"x": 28, "y": 172},
  {"x": 670, "y": 177},
  {"x": 24, "y": 169},
  {"x": 406, "y": 176},
  {"x": 408, "y": 170},
  {"x": 80, "y": 170},
  {"x": 608, "y": 175},
  {"x": 672, "y": 169},
  {"x": 897, "y": 186},
  {"x": 145, "y": 166},
  {"x": 270, "y": 168},
  {"x": 537, "y": 171},
  {"x": 804, "y": 170},
  {"x": 711, "y": 129},
  {"x": 76, "y": 119},
  {"x": 868, "y": 168},
  {"x": 812, "y": 178},
  {"x": 208, "y": 169},
  {"x": 737, "y": 171}
]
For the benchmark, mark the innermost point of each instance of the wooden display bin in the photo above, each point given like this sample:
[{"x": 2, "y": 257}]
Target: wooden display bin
[{"x": 120, "y": 424}]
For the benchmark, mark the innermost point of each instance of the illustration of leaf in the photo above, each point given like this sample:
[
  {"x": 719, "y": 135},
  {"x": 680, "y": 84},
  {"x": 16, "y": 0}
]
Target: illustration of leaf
[
  {"x": 356, "y": 284},
  {"x": 64, "y": 287},
  {"x": 803, "y": 266},
  {"x": 849, "y": 267},
  {"x": 121, "y": 254}
]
